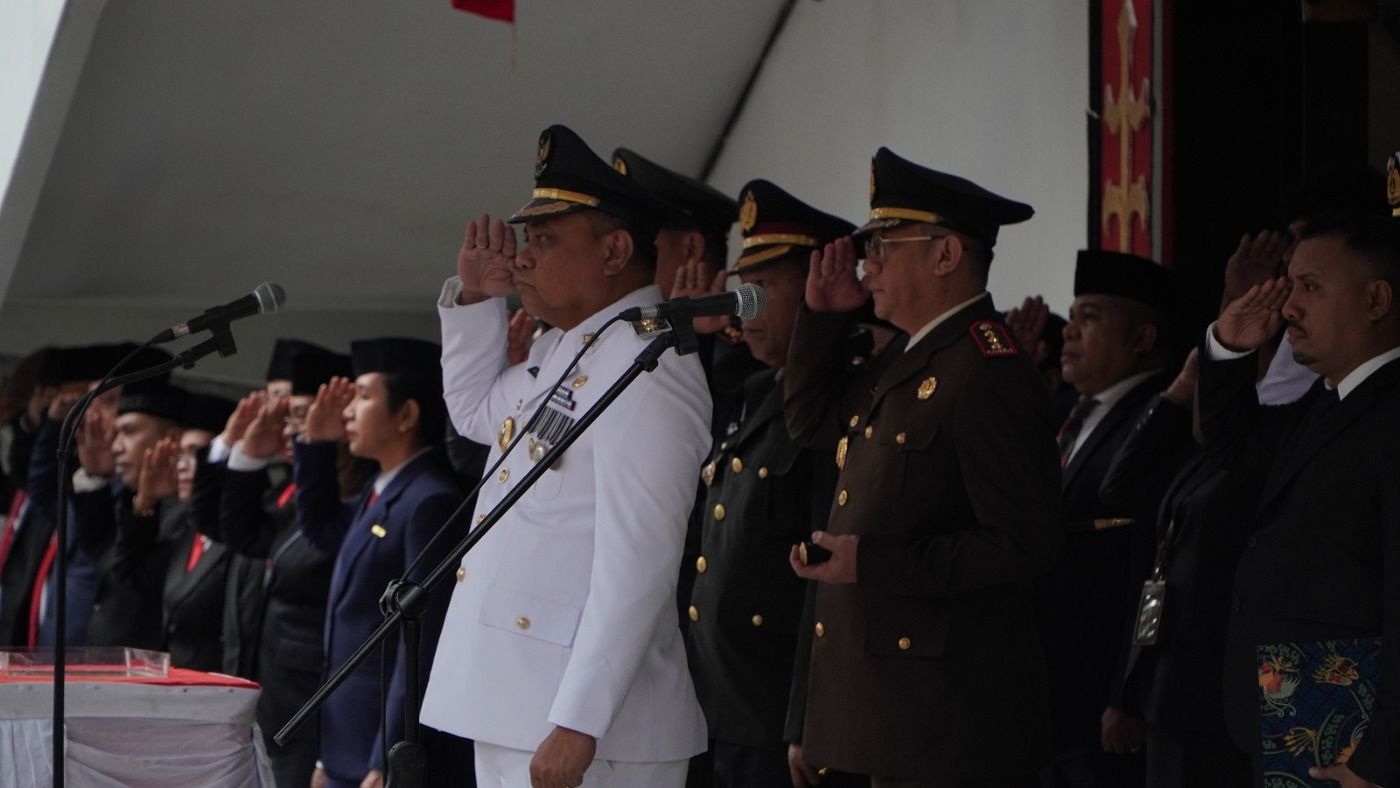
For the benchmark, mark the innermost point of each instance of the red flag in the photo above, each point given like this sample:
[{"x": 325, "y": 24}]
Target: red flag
[{"x": 504, "y": 10}]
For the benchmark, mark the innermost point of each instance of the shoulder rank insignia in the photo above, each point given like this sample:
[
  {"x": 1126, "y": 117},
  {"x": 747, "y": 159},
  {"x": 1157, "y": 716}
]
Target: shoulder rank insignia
[{"x": 993, "y": 339}]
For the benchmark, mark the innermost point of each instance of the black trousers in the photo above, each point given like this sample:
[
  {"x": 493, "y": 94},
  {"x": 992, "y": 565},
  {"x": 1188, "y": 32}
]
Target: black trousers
[
  {"x": 738, "y": 766},
  {"x": 1028, "y": 781},
  {"x": 1091, "y": 767},
  {"x": 1179, "y": 758}
]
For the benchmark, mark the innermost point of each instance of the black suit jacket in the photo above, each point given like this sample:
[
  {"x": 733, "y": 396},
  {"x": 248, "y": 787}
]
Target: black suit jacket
[
  {"x": 1323, "y": 560},
  {"x": 1175, "y": 682},
  {"x": 191, "y": 601},
  {"x": 1089, "y": 598},
  {"x": 296, "y": 578},
  {"x": 126, "y": 610}
]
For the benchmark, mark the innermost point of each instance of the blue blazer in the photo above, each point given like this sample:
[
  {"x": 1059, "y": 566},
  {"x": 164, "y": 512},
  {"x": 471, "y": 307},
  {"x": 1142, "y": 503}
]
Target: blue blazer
[{"x": 373, "y": 545}]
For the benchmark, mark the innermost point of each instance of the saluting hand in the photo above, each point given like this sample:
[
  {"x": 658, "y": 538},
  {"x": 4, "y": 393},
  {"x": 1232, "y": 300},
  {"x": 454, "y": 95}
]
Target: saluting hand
[
  {"x": 1027, "y": 325},
  {"x": 1256, "y": 260},
  {"x": 95, "y": 438},
  {"x": 243, "y": 414},
  {"x": 840, "y": 568},
  {"x": 1182, "y": 391},
  {"x": 325, "y": 420},
  {"x": 483, "y": 262},
  {"x": 157, "y": 479},
  {"x": 520, "y": 334},
  {"x": 1254, "y": 318},
  {"x": 832, "y": 285},
  {"x": 693, "y": 279},
  {"x": 263, "y": 438}
]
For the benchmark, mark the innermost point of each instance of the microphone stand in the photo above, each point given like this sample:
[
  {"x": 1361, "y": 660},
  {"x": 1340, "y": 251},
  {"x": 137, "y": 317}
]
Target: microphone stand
[
  {"x": 222, "y": 343},
  {"x": 404, "y": 602}
]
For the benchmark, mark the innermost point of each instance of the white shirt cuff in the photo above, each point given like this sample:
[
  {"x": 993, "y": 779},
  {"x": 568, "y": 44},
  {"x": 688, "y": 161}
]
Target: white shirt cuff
[
  {"x": 218, "y": 450},
  {"x": 239, "y": 460},
  {"x": 84, "y": 482},
  {"x": 1217, "y": 351},
  {"x": 450, "y": 290}
]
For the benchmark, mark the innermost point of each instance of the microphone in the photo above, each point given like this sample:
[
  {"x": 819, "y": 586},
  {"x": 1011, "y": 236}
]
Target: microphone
[
  {"x": 267, "y": 297},
  {"x": 746, "y": 302}
]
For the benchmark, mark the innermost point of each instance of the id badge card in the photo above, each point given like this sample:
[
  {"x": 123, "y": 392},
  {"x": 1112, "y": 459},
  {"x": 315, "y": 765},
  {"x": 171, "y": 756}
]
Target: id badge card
[{"x": 1149, "y": 617}]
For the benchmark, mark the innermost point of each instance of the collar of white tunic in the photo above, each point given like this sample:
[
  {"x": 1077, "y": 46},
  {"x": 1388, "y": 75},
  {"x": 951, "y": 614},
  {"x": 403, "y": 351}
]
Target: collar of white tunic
[{"x": 932, "y": 324}]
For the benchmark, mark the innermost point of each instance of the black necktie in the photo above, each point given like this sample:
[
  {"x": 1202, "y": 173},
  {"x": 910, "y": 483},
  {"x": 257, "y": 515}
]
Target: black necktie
[{"x": 1069, "y": 433}]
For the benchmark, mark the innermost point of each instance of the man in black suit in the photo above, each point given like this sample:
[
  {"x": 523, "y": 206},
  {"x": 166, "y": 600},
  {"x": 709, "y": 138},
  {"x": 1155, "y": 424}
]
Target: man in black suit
[
  {"x": 1114, "y": 356},
  {"x": 1323, "y": 560}
]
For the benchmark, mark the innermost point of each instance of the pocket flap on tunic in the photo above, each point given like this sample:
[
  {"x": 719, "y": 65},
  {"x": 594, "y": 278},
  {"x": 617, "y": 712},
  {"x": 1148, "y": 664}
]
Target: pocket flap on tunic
[{"x": 531, "y": 616}]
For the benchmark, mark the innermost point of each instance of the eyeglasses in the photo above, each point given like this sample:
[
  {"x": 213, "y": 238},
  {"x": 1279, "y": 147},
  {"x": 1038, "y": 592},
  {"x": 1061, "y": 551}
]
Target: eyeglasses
[{"x": 875, "y": 245}]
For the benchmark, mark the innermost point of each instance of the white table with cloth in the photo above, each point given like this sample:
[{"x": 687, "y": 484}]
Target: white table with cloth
[{"x": 186, "y": 729}]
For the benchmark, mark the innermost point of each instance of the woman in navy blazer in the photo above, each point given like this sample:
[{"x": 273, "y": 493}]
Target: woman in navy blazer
[{"x": 393, "y": 413}]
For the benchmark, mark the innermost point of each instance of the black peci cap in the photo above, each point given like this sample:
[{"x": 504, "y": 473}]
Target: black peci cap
[
  {"x": 569, "y": 177},
  {"x": 902, "y": 191},
  {"x": 774, "y": 224},
  {"x": 279, "y": 367},
  {"x": 692, "y": 203},
  {"x": 396, "y": 355},
  {"x": 92, "y": 362},
  {"x": 1124, "y": 275},
  {"x": 154, "y": 397},
  {"x": 208, "y": 412},
  {"x": 313, "y": 365}
]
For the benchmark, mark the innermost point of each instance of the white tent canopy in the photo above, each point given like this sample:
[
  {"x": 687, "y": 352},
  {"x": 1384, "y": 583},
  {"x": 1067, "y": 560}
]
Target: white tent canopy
[{"x": 170, "y": 154}]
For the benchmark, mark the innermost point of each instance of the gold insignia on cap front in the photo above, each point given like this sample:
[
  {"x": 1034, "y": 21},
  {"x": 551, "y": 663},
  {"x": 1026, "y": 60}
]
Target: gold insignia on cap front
[
  {"x": 620, "y": 164},
  {"x": 542, "y": 154},
  {"x": 1392, "y": 183},
  {"x": 748, "y": 212},
  {"x": 927, "y": 388}
]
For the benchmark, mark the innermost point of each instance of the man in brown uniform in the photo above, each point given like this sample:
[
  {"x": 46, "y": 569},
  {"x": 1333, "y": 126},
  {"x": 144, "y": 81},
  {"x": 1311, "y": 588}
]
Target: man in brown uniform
[{"x": 926, "y": 668}]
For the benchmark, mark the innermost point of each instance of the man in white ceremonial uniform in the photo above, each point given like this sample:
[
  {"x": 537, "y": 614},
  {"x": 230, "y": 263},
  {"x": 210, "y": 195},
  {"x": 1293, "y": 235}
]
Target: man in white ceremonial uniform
[{"x": 561, "y": 655}]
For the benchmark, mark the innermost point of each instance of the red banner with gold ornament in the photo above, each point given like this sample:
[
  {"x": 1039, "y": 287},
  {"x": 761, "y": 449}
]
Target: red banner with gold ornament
[{"x": 1124, "y": 215}]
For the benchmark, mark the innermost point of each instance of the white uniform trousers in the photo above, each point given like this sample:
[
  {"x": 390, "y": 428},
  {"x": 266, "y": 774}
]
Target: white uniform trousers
[{"x": 503, "y": 767}]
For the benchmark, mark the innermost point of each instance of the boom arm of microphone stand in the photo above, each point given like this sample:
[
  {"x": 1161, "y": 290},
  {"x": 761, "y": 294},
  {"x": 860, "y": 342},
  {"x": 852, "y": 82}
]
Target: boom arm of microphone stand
[{"x": 401, "y": 592}]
